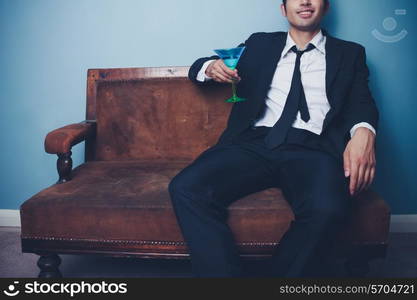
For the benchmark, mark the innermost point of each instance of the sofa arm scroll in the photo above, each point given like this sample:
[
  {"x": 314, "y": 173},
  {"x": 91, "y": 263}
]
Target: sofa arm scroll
[{"x": 61, "y": 140}]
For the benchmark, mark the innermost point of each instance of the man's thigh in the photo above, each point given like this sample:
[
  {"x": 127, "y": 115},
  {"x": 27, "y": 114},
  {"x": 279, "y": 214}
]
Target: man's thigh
[
  {"x": 225, "y": 173},
  {"x": 314, "y": 184}
]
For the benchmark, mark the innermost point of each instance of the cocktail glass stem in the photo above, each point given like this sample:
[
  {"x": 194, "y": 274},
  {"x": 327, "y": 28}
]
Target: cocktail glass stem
[
  {"x": 234, "y": 97},
  {"x": 234, "y": 89}
]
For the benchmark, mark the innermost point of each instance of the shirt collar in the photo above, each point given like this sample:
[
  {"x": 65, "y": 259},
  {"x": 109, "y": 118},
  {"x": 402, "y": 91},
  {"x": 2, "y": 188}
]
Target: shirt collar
[{"x": 319, "y": 41}]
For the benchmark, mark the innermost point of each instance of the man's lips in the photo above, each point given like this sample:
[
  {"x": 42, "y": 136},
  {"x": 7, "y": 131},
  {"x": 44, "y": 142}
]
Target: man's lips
[
  {"x": 305, "y": 10},
  {"x": 306, "y": 13}
]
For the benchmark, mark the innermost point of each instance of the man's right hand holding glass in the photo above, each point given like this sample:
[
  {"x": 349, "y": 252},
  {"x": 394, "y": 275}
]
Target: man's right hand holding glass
[{"x": 218, "y": 71}]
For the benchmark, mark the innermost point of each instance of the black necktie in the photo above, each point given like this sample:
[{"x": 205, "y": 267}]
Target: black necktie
[{"x": 296, "y": 100}]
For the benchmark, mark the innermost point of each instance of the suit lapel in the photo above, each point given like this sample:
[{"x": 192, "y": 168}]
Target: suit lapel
[
  {"x": 272, "y": 56},
  {"x": 269, "y": 63},
  {"x": 334, "y": 57},
  {"x": 333, "y": 60}
]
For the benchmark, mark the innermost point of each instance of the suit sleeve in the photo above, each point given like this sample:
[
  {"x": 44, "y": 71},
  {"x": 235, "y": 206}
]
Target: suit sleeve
[
  {"x": 361, "y": 105},
  {"x": 198, "y": 64}
]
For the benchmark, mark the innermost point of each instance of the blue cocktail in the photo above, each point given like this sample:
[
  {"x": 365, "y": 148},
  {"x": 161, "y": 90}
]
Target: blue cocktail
[{"x": 230, "y": 58}]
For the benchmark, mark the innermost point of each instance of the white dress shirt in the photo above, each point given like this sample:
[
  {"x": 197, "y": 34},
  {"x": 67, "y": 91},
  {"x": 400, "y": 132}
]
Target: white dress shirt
[{"x": 313, "y": 78}]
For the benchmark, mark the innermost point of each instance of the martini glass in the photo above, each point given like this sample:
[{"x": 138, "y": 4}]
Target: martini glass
[{"x": 230, "y": 58}]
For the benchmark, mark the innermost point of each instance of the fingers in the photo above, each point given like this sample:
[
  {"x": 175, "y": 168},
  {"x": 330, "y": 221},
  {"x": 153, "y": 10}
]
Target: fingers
[
  {"x": 371, "y": 176},
  {"x": 366, "y": 179},
  {"x": 369, "y": 173},
  {"x": 348, "y": 170},
  {"x": 361, "y": 176},
  {"x": 354, "y": 170},
  {"x": 221, "y": 77},
  {"x": 221, "y": 73},
  {"x": 346, "y": 163},
  {"x": 231, "y": 73}
]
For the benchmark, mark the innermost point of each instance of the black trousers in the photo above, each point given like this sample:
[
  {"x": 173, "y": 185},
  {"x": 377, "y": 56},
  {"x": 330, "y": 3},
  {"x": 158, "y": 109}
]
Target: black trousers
[{"x": 311, "y": 179}]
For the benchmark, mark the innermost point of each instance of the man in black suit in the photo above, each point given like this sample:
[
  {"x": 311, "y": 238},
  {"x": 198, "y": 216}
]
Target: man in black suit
[{"x": 308, "y": 127}]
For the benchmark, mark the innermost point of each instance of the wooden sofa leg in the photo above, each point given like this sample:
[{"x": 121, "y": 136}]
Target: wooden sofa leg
[{"x": 49, "y": 265}]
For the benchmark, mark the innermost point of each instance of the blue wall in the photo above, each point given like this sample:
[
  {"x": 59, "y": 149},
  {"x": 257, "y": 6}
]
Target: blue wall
[{"x": 48, "y": 45}]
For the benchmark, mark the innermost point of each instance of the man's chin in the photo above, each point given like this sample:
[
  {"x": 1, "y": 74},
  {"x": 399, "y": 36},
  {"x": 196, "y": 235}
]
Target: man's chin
[{"x": 306, "y": 27}]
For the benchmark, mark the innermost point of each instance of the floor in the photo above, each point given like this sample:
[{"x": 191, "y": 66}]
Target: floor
[{"x": 401, "y": 262}]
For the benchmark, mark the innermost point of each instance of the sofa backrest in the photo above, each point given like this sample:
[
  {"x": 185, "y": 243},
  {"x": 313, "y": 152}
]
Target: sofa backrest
[{"x": 153, "y": 114}]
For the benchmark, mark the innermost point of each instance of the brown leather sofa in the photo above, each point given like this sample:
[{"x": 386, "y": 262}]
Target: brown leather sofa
[{"x": 143, "y": 125}]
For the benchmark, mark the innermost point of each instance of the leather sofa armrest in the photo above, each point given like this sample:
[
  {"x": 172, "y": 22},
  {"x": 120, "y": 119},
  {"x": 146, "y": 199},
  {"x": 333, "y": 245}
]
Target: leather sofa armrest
[{"x": 61, "y": 140}]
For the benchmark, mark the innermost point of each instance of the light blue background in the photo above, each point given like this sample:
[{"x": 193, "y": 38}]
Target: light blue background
[{"x": 48, "y": 45}]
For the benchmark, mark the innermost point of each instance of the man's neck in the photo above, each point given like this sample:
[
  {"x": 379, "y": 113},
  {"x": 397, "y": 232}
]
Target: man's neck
[{"x": 302, "y": 38}]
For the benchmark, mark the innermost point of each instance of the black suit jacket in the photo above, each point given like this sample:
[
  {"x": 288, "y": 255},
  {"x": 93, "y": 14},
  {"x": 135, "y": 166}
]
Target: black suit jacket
[{"x": 347, "y": 88}]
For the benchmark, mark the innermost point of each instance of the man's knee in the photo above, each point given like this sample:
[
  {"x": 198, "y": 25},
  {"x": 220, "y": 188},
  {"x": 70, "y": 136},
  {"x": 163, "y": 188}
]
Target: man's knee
[
  {"x": 186, "y": 185},
  {"x": 178, "y": 184},
  {"x": 178, "y": 189},
  {"x": 192, "y": 193},
  {"x": 173, "y": 185}
]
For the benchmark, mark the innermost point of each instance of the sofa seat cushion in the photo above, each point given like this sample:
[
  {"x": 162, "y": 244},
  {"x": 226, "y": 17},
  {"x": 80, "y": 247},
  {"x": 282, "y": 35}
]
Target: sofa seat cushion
[{"x": 129, "y": 201}]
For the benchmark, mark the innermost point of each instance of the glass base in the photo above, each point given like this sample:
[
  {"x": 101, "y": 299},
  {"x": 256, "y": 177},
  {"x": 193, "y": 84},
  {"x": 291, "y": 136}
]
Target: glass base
[{"x": 235, "y": 99}]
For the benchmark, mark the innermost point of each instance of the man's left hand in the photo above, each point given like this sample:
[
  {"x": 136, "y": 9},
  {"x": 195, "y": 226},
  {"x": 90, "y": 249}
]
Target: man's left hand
[{"x": 359, "y": 160}]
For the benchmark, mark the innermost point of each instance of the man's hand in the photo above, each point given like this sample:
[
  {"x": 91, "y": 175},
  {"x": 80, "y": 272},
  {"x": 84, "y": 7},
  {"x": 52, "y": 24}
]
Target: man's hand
[
  {"x": 359, "y": 160},
  {"x": 222, "y": 73}
]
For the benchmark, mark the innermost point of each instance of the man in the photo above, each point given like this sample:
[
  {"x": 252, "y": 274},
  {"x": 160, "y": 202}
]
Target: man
[{"x": 308, "y": 127}]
